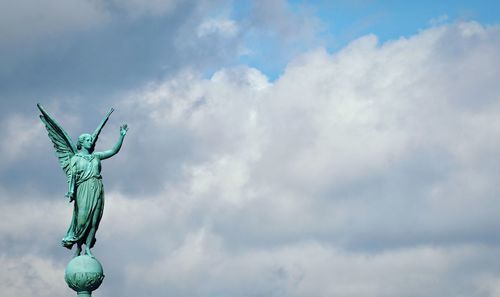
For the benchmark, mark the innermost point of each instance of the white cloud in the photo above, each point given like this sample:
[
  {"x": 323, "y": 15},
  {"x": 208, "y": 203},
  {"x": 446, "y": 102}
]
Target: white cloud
[
  {"x": 29, "y": 275},
  {"x": 377, "y": 147},
  {"x": 20, "y": 137},
  {"x": 224, "y": 27},
  {"x": 27, "y": 226},
  {"x": 203, "y": 266},
  {"x": 368, "y": 172}
]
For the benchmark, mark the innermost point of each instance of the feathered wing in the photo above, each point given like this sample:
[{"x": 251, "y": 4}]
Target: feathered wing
[
  {"x": 65, "y": 148},
  {"x": 95, "y": 135}
]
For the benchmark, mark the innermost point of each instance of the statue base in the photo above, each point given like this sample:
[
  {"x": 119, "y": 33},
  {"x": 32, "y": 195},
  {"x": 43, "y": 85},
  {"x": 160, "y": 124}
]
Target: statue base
[{"x": 84, "y": 274}]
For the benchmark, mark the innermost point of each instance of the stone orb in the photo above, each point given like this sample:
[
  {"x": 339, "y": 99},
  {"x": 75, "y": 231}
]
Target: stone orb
[{"x": 84, "y": 274}]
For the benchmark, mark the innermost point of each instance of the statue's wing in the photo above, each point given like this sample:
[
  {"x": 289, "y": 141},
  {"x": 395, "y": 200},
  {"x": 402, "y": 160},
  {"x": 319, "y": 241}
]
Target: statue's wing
[
  {"x": 95, "y": 135},
  {"x": 65, "y": 148}
]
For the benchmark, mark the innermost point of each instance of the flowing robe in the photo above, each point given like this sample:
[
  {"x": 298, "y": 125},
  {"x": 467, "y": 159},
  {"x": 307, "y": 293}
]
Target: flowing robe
[{"x": 89, "y": 200}]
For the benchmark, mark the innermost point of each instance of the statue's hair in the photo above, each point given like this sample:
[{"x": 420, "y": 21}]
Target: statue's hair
[{"x": 80, "y": 140}]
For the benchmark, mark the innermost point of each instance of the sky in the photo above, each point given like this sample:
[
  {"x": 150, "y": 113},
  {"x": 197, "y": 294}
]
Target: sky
[{"x": 275, "y": 148}]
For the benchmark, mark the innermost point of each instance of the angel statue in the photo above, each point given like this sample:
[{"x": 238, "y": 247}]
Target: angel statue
[{"x": 83, "y": 168}]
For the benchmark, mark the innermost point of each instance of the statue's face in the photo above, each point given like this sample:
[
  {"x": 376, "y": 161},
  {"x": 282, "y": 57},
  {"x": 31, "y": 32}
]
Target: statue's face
[{"x": 86, "y": 141}]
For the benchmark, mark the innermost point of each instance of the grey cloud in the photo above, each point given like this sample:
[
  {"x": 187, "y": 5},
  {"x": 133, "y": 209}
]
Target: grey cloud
[
  {"x": 102, "y": 61},
  {"x": 27, "y": 21},
  {"x": 24, "y": 21},
  {"x": 91, "y": 69},
  {"x": 378, "y": 158},
  {"x": 280, "y": 21},
  {"x": 29, "y": 275},
  {"x": 368, "y": 172}
]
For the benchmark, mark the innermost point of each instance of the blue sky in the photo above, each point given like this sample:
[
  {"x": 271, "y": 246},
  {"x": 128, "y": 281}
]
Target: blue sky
[
  {"x": 319, "y": 148},
  {"x": 340, "y": 22}
]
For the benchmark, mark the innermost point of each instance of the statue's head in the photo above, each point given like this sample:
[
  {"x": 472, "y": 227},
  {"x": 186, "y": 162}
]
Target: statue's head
[{"x": 85, "y": 141}]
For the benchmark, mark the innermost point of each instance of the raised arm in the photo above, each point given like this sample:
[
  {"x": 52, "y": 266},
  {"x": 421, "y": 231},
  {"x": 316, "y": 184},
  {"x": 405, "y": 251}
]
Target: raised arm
[{"x": 118, "y": 145}]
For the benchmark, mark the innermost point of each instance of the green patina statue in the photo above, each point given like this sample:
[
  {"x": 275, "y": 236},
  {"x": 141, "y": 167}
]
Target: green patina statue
[{"x": 82, "y": 166}]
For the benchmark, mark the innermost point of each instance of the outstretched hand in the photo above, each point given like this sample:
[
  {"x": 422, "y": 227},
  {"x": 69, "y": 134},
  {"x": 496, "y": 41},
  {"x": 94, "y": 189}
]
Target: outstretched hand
[{"x": 123, "y": 129}]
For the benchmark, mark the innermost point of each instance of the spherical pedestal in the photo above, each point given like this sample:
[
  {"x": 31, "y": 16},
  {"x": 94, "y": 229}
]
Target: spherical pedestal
[{"x": 84, "y": 274}]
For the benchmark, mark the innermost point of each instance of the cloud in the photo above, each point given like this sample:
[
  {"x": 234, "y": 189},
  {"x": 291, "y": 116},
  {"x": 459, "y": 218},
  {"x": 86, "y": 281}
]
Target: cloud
[
  {"x": 27, "y": 228},
  {"x": 20, "y": 133},
  {"x": 282, "y": 21},
  {"x": 224, "y": 27},
  {"x": 98, "y": 52},
  {"x": 381, "y": 153},
  {"x": 367, "y": 172},
  {"x": 26, "y": 20},
  {"x": 29, "y": 275},
  {"x": 135, "y": 8},
  {"x": 274, "y": 32},
  {"x": 202, "y": 266}
]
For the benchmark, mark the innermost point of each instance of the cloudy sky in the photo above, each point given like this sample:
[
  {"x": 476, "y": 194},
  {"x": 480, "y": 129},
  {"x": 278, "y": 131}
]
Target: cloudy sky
[{"x": 295, "y": 149}]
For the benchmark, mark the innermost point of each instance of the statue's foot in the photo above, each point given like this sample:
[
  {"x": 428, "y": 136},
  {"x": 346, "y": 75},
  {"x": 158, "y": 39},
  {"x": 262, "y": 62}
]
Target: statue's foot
[
  {"x": 77, "y": 252},
  {"x": 88, "y": 253}
]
